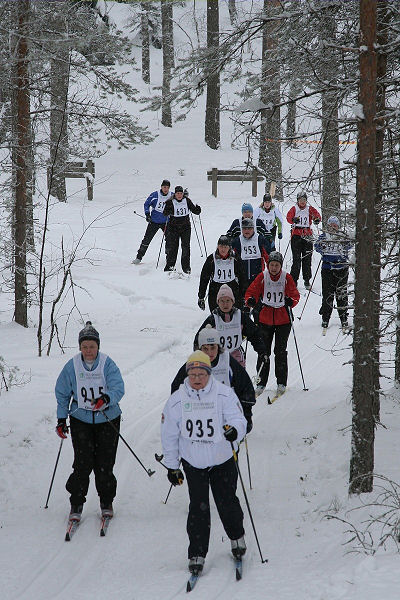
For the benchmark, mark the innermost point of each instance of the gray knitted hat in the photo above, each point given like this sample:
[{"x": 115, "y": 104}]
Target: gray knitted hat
[{"x": 89, "y": 333}]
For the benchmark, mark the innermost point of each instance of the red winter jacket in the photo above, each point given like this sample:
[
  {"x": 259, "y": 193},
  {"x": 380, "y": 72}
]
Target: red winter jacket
[
  {"x": 303, "y": 231},
  {"x": 270, "y": 315}
]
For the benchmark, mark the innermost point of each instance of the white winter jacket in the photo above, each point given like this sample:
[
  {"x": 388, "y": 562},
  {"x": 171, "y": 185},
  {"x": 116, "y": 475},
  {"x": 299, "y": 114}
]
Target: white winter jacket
[{"x": 200, "y": 452}]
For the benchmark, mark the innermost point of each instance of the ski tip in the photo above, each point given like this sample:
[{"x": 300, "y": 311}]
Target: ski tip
[
  {"x": 238, "y": 575},
  {"x": 102, "y": 533},
  {"x": 67, "y": 537}
]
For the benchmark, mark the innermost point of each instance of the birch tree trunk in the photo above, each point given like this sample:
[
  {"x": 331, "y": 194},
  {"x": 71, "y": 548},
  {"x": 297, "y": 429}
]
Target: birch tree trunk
[
  {"x": 364, "y": 343},
  {"x": 21, "y": 81},
  {"x": 59, "y": 82},
  {"x": 144, "y": 26},
  {"x": 330, "y": 199},
  {"x": 212, "y": 120},
  {"x": 269, "y": 158},
  {"x": 168, "y": 60}
]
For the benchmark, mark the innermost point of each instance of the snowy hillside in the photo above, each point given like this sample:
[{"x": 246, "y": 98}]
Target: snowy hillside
[{"x": 299, "y": 447}]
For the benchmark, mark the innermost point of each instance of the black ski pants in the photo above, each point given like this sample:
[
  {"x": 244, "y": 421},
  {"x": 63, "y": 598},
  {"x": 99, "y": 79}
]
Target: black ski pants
[
  {"x": 172, "y": 237},
  {"x": 223, "y": 482},
  {"x": 302, "y": 249},
  {"x": 95, "y": 449},
  {"x": 334, "y": 285},
  {"x": 150, "y": 232},
  {"x": 281, "y": 333}
]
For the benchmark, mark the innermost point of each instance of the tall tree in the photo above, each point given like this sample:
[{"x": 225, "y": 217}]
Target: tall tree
[
  {"x": 212, "y": 120},
  {"x": 59, "y": 83},
  {"x": 364, "y": 351},
  {"x": 270, "y": 160},
  {"x": 23, "y": 125},
  {"x": 329, "y": 72},
  {"x": 168, "y": 60},
  {"x": 144, "y": 28}
]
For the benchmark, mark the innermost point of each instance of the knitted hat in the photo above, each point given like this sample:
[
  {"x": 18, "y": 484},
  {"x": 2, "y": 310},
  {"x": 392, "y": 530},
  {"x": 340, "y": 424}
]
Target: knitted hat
[
  {"x": 178, "y": 188},
  {"x": 275, "y": 256},
  {"x": 225, "y": 292},
  {"x": 165, "y": 182},
  {"x": 333, "y": 220},
  {"x": 208, "y": 335},
  {"x": 246, "y": 206},
  {"x": 267, "y": 198},
  {"x": 198, "y": 360},
  {"x": 247, "y": 223},
  {"x": 89, "y": 333},
  {"x": 301, "y": 194},
  {"x": 224, "y": 240}
]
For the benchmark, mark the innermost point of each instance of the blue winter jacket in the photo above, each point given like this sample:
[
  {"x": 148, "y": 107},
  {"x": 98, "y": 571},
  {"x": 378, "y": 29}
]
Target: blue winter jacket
[
  {"x": 67, "y": 393},
  {"x": 156, "y": 216},
  {"x": 334, "y": 250}
]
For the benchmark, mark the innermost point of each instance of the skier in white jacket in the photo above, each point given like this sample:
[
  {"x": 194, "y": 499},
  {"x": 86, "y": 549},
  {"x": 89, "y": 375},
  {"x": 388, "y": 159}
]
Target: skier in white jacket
[{"x": 199, "y": 423}]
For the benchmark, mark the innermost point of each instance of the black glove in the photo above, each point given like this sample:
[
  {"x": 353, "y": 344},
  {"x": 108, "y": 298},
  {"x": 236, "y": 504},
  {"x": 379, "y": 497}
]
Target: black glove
[
  {"x": 199, "y": 207},
  {"x": 265, "y": 358},
  {"x": 280, "y": 236},
  {"x": 230, "y": 433},
  {"x": 288, "y": 301},
  {"x": 148, "y": 218},
  {"x": 201, "y": 303},
  {"x": 175, "y": 476},
  {"x": 186, "y": 193},
  {"x": 249, "y": 424},
  {"x": 246, "y": 309},
  {"x": 62, "y": 428},
  {"x": 251, "y": 302},
  {"x": 296, "y": 220},
  {"x": 317, "y": 221}
]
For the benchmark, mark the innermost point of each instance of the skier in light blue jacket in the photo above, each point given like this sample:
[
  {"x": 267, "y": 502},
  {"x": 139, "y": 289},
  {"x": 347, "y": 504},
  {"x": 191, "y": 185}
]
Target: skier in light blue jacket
[{"x": 88, "y": 390}]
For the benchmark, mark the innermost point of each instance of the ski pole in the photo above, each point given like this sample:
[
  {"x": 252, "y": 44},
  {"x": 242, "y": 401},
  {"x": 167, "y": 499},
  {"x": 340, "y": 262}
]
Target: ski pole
[
  {"x": 148, "y": 471},
  {"x": 248, "y": 459},
  {"x": 263, "y": 560},
  {"x": 159, "y": 458},
  {"x": 286, "y": 248},
  {"x": 54, "y": 473},
  {"x": 162, "y": 239},
  {"x": 137, "y": 214},
  {"x": 305, "y": 389},
  {"x": 309, "y": 291},
  {"x": 202, "y": 233},
  {"x": 197, "y": 235}
]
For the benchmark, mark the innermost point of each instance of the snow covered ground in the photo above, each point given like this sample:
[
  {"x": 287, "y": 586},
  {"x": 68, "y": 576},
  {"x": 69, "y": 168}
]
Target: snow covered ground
[{"x": 299, "y": 447}]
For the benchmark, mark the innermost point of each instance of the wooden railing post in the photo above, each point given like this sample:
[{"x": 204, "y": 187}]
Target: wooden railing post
[{"x": 214, "y": 175}]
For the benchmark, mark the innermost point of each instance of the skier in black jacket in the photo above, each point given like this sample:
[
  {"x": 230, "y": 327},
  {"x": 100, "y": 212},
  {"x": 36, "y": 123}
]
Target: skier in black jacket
[
  {"x": 177, "y": 208},
  {"x": 233, "y": 325},
  {"x": 226, "y": 370},
  {"x": 222, "y": 266}
]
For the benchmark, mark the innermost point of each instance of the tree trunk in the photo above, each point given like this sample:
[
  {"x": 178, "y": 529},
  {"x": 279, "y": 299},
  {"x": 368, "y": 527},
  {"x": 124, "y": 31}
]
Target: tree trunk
[
  {"x": 397, "y": 321},
  {"x": 59, "y": 81},
  {"x": 269, "y": 158},
  {"x": 330, "y": 199},
  {"x": 232, "y": 11},
  {"x": 168, "y": 60},
  {"x": 382, "y": 39},
  {"x": 212, "y": 122},
  {"x": 145, "y": 43},
  {"x": 22, "y": 158},
  {"x": 291, "y": 115},
  {"x": 364, "y": 343}
]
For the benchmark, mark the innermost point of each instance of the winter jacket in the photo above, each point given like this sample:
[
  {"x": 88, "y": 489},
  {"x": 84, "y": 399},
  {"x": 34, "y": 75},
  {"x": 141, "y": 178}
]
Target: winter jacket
[
  {"x": 334, "y": 249},
  {"x": 268, "y": 314},
  {"x": 239, "y": 379},
  {"x": 261, "y": 214},
  {"x": 207, "y": 273},
  {"x": 157, "y": 215},
  {"x": 200, "y": 453},
  {"x": 180, "y": 222},
  {"x": 236, "y": 229},
  {"x": 253, "y": 266},
  {"x": 249, "y": 329},
  {"x": 304, "y": 231},
  {"x": 67, "y": 392}
]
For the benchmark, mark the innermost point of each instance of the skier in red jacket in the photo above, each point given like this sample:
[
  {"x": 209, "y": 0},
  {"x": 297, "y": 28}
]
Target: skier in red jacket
[
  {"x": 300, "y": 217},
  {"x": 278, "y": 293}
]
